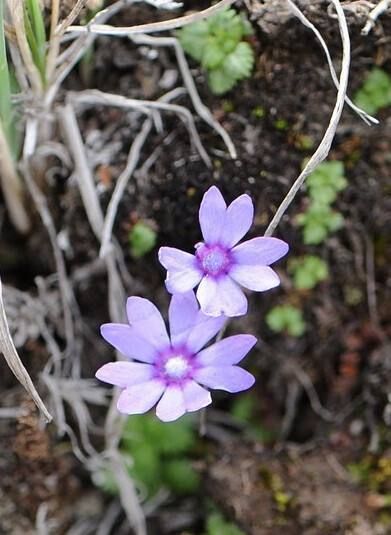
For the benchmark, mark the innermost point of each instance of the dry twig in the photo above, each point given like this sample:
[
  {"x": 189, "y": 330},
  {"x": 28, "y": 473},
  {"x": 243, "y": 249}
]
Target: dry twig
[
  {"x": 13, "y": 360},
  {"x": 325, "y": 145}
]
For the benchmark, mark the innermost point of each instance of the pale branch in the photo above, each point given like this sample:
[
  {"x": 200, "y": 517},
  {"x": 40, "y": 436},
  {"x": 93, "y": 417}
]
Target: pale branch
[
  {"x": 12, "y": 358},
  {"x": 376, "y": 12},
  {"x": 200, "y": 108},
  {"x": 368, "y": 119},
  {"x": 323, "y": 149},
  {"x": 172, "y": 24}
]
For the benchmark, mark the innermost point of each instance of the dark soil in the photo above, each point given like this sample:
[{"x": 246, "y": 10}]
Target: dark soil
[{"x": 345, "y": 352}]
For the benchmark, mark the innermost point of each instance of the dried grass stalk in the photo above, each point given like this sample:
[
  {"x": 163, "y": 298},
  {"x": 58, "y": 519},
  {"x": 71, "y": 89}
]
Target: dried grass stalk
[{"x": 8, "y": 349}]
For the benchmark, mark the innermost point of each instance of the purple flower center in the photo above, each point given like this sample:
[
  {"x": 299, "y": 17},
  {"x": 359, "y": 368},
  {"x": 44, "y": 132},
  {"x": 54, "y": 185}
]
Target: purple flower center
[{"x": 213, "y": 259}]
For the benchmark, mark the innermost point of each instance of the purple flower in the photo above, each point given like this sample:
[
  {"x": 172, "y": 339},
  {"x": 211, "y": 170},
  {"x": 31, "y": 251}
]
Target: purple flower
[
  {"x": 171, "y": 370},
  {"x": 220, "y": 266}
]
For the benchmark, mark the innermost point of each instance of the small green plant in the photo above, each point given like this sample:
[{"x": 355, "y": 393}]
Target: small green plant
[
  {"x": 308, "y": 271},
  {"x": 218, "y": 44},
  {"x": 286, "y": 318},
  {"x": 326, "y": 182},
  {"x": 156, "y": 455},
  {"x": 375, "y": 93},
  {"x": 318, "y": 222},
  {"x": 217, "y": 525},
  {"x": 142, "y": 239}
]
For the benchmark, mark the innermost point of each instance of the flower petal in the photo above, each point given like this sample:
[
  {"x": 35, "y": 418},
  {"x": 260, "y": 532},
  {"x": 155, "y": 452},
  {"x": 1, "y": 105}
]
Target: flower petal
[
  {"x": 176, "y": 260},
  {"x": 182, "y": 281},
  {"x": 146, "y": 320},
  {"x": 221, "y": 296},
  {"x": 203, "y": 330},
  {"x": 172, "y": 404},
  {"x": 183, "y": 272},
  {"x": 124, "y": 374},
  {"x": 182, "y": 314},
  {"x": 261, "y": 251},
  {"x": 140, "y": 398},
  {"x": 229, "y": 378},
  {"x": 128, "y": 342},
  {"x": 228, "y": 351},
  {"x": 257, "y": 278},
  {"x": 195, "y": 396},
  {"x": 238, "y": 220},
  {"x": 212, "y": 214}
]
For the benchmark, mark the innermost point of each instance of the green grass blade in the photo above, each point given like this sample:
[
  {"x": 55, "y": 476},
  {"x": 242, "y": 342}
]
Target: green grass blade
[
  {"x": 6, "y": 111},
  {"x": 36, "y": 35}
]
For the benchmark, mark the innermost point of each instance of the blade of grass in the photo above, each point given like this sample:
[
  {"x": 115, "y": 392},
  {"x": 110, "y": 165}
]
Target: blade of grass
[
  {"x": 5, "y": 87},
  {"x": 36, "y": 36}
]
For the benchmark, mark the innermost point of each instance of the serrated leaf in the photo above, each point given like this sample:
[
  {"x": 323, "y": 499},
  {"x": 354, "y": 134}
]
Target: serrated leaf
[
  {"x": 239, "y": 63},
  {"x": 213, "y": 55},
  {"x": 225, "y": 24},
  {"x": 193, "y": 39},
  {"x": 220, "y": 82}
]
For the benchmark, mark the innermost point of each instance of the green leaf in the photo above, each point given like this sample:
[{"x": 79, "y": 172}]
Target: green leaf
[
  {"x": 180, "y": 476},
  {"x": 217, "y": 525},
  {"x": 36, "y": 36},
  {"x": 286, "y": 318},
  {"x": 146, "y": 466},
  {"x": 375, "y": 92},
  {"x": 193, "y": 39},
  {"x": 240, "y": 62},
  {"x": 226, "y": 24},
  {"x": 217, "y": 44},
  {"x": 213, "y": 55},
  {"x": 314, "y": 234},
  {"x": 335, "y": 221},
  {"x": 171, "y": 438},
  {"x": 5, "y": 88},
  {"x": 326, "y": 181},
  {"x": 220, "y": 82},
  {"x": 308, "y": 271},
  {"x": 142, "y": 239}
]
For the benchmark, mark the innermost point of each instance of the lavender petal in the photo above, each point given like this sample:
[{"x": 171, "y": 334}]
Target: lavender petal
[
  {"x": 195, "y": 396},
  {"x": 124, "y": 374},
  {"x": 140, "y": 398},
  {"x": 172, "y": 404},
  {"x": 221, "y": 296},
  {"x": 228, "y": 351},
  {"x": 257, "y": 278},
  {"x": 212, "y": 214},
  {"x": 238, "y": 220},
  {"x": 260, "y": 251},
  {"x": 182, "y": 269},
  {"x": 230, "y": 378},
  {"x": 146, "y": 321},
  {"x": 127, "y": 342},
  {"x": 182, "y": 314}
]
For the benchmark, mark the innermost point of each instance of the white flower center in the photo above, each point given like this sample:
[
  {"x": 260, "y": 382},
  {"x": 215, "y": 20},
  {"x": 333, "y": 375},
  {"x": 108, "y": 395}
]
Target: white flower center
[{"x": 176, "y": 367}]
